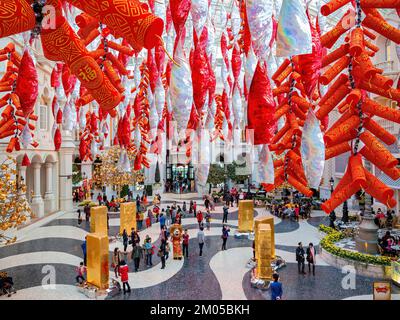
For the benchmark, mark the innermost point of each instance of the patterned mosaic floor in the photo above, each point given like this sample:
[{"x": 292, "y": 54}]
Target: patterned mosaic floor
[{"x": 55, "y": 244}]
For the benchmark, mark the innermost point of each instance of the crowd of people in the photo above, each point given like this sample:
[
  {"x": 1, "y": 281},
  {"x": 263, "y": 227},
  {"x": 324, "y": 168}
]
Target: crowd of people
[
  {"x": 146, "y": 249},
  {"x": 291, "y": 210}
]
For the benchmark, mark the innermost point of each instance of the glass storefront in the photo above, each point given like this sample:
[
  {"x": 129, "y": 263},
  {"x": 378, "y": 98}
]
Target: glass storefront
[{"x": 180, "y": 178}]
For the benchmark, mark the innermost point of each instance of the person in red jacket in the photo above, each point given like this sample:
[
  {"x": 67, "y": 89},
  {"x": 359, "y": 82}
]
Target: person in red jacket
[
  {"x": 123, "y": 271},
  {"x": 199, "y": 218}
]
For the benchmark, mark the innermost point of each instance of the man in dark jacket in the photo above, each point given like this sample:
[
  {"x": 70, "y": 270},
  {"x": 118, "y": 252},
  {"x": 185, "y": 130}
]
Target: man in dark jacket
[
  {"x": 300, "y": 258},
  {"x": 86, "y": 210},
  {"x": 83, "y": 246},
  {"x": 225, "y": 216},
  {"x": 137, "y": 254},
  {"x": 135, "y": 238}
]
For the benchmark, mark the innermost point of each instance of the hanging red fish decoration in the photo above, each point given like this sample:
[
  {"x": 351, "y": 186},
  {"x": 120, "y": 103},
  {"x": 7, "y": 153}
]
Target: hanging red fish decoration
[
  {"x": 57, "y": 139},
  {"x": 68, "y": 80},
  {"x": 179, "y": 12},
  {"x": 261, "y": 106},
  {"x": 309, "y": 65},
  {"x": 200, "y": 74},
  {"x": 56, "y": 75},
  {"x": 27, "y": 88}
]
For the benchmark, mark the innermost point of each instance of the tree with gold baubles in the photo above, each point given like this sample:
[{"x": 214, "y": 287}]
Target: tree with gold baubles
[{"x": 14, "y": 208}]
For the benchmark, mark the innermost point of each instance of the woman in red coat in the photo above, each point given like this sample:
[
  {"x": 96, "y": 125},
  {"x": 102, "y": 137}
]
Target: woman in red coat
[
  {"x": 199, "y": 218},
  {"x": 123, "y": 271}
]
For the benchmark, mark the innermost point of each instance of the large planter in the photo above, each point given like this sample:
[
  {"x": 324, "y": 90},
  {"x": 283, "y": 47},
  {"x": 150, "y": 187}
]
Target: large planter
[{"x": 361, "y": 268}]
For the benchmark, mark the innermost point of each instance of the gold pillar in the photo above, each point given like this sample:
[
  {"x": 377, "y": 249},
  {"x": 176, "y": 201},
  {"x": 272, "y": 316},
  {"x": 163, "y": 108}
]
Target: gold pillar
[
  {"x": 97, "y": 260},
  {"x": 270, "y": 221},
  {"x": 263, "y": 251},
  {"x": 246, "y": 215},
  {"x": 127, "y": 217},
  {"x": 98, "y": 220}
]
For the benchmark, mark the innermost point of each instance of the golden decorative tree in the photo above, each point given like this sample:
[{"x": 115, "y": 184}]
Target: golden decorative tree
[
  {"x": 111, "y": 172},
  {"x": 14, "y": 208}
]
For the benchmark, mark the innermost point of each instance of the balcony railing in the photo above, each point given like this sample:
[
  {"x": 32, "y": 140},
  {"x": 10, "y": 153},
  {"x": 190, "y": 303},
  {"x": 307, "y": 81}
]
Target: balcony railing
[{"x": 386, "y": 66}]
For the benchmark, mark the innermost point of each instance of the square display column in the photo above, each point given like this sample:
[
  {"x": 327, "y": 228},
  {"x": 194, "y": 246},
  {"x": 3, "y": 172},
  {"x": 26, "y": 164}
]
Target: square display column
[
  {"x": 127, "y": 217},
  {"x": 270, "y": 221},
  {"x": 97, "y": 260},
  {"x": 263, "y": 248},
  {"x": 98, "y": 220},
  {"x": 246, "y": 216}
]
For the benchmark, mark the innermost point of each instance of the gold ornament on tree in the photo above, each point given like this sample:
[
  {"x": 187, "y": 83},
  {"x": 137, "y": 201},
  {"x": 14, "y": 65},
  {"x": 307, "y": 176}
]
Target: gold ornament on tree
[
  {"x": 14, "y": 208},
  {"x": 114, "y": 169}
]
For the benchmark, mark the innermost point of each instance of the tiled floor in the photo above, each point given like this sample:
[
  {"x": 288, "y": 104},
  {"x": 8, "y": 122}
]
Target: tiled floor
[{"x": 56, "y": 245}]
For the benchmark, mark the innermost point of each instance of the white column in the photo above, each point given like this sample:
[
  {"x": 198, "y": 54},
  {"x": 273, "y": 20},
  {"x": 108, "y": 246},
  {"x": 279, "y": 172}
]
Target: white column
[
  {"x": 49, "y": 198},
  {"x": 37, "y": 201},
  {"x": 65, "y": 171}
]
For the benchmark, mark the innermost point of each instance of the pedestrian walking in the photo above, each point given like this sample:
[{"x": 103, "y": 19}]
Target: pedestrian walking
[
  {"x": 168, "y": 216},
  {"x": 311, "y": 260},
  {"x": 135, "y": 238},
  {"x": 201, "y": 238},
  {"x": 137, "y": 254},
  {"x": 83, "y": 246},
  {"x": 125, "y": 239},
  {"x": 86, "y": 210},
  {"x": 185, "y": 243},
  {"x": 225, "y": 235},
  {"x": 300, "y": 258},
  {"x": 162, "y": 221},
  {"x": 225, "y": 212},
  {"x": 80, "y": 270},
  {"x": 124, "y": 271},
  {"x": 199, "y": 218},
  {"x": 116, "y": 262},
  {"x": 276, "y": 288},
  {"x": 149, "y": 249},
  {"x": 208, "y": 220},
  {"x": 161, "y": 254},
  {"x": 79, "y": 217}
]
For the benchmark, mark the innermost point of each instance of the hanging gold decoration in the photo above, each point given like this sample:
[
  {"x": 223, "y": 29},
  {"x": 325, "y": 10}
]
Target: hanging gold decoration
[{"x": 14, "y": 208}]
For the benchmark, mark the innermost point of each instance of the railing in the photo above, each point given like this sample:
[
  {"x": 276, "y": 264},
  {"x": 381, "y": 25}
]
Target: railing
[{"x": 386, "y": 66}]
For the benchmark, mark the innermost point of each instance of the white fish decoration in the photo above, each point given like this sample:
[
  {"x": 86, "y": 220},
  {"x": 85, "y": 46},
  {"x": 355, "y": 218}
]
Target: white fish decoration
[
  {"x": 124, "y": 162},
  {"x": 265, "y": 166},
  {"x": 94, "y": 149},
  {"x": 294, "y": 32},
  {"x": 159, "y": 97},
  {"x": 203, "y": 166},
  {"x": 259, "y": 16},
  {"x": 26, "y": 137},
  {"x": 235, "y": 20},
  {"x": 237, "y": 107},
  {"x": 82, "y": 118},
  {"x": 153, "y": 114},
  {"x": 67, "y": 121},
  {"x": 211, "y": 115},
  {"x": 250, "y": 67},
  {"x": 199, "y": 13},
  {"x": 312, "y": 150},
  {"x": 181, "y": 88}
]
